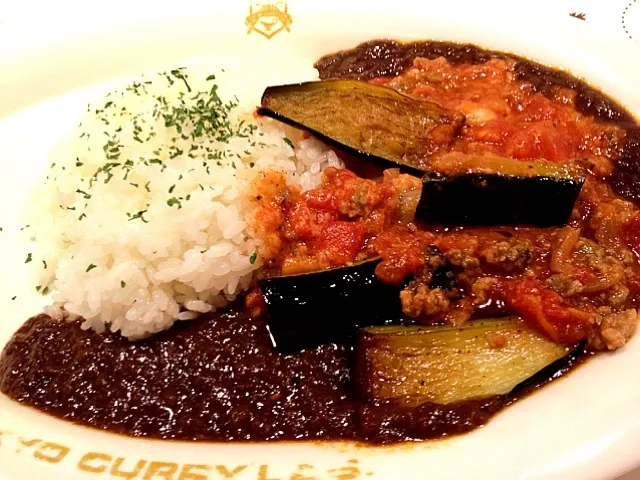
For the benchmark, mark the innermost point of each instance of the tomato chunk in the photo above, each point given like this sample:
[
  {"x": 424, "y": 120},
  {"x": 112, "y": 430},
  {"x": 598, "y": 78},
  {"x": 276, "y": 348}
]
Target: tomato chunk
[
  {"x": 340, "y": 241},
  {"x": 543, "y": 309},
  {"x": 402, "y": 253}
]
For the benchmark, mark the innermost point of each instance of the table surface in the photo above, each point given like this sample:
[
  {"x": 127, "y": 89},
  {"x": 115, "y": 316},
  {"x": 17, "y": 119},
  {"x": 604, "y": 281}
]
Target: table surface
[{"x": 618, "y": 17}]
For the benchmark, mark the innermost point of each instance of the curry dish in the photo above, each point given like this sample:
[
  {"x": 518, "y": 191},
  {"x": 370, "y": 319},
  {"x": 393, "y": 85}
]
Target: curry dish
[{"x": 481, "y": 240}]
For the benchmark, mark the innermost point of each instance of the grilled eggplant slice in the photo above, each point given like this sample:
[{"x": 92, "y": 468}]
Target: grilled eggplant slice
[
  {"x": 381, "y": 125},
  {"x": 312, "y": 309},
  {"x": 461, "y": 189},
  {"x": 444, "y": 364},
  {"x": 373, "y": 122}
]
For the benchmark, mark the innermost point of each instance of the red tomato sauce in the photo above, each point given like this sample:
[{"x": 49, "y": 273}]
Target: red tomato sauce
[
  {"x": 564, "y": 281},
  {"x": 504, "y": 115}
]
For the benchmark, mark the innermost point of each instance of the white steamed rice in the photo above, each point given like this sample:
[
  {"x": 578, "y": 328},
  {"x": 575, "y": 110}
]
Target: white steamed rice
[{"x": 163, "y": 235}]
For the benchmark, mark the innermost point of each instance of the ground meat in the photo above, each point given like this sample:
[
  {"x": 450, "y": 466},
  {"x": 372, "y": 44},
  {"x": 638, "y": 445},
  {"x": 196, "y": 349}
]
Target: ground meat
[
  {"x": 613, "y": 331},
  {"x": 481, "y": 288},
  {"x": 418, "y": 299},
  {"x": 595, "y": 267},
  {"x": 433, "y": 267},
  {"x": 563, "y": 276},
  {"x": 361, "y": 200},
  {"x": 434, "y": 258},
  {"x": 617, "y": 295},
  {"x": 565, "y": 285},
  {"x": 459, "y": 313},
  {"x": 515, "y": 254},
  {"x": 459, "y": 258}
]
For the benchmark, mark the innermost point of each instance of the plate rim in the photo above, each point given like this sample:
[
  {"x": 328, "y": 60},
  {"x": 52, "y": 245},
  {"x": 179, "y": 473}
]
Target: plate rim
[{"x": 39, "y": 52}]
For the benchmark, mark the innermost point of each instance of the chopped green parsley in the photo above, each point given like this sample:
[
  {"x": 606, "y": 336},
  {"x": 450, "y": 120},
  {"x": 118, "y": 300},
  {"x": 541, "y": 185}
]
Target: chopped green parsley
[{"x": 174, "y": 201}]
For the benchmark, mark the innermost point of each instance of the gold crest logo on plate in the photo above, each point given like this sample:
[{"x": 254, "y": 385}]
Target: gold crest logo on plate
[{"x": 268, "y": 17}]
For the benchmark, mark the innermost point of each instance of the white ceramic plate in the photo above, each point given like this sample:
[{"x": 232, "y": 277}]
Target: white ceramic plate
[{"x": 586, "y": 426}]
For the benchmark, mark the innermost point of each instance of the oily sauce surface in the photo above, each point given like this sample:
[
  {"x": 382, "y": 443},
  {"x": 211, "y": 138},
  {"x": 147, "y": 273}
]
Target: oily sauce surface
[{"x": 213, "y": 379}]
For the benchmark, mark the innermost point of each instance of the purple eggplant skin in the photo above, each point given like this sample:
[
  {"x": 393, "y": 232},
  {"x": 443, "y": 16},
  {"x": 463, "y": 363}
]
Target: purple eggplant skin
[
  {"x": 484, "y": 199},
  {"x": 372, "y": 122},
  {"x": 317, "y": 308}
]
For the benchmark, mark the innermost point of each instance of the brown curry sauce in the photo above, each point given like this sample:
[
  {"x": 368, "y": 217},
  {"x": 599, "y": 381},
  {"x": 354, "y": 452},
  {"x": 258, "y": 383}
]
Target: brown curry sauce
[{"x": 218, "y": 378}]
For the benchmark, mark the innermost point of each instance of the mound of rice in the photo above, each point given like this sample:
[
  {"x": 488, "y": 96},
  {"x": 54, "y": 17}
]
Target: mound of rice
[{"x": 142, "y": 220}]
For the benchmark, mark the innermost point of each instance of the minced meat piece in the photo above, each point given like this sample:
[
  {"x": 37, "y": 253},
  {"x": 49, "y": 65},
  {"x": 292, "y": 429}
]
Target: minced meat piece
[
  {"x": 565, "y": 285},
  {"x": 359, "y": 202},
  {"x": 460, "y": 313},
  {"x": 617, "y": 295},
  {"x": 481, "y": 287},
  {"x": 509, "y": 255},
  {"x": 461, "y": 259},
  {"x": 433, "y": 261},
  {"x": 433, "y": 258},
  {"x": 613, "y": 331},
  {"x": 418, "y": 299}
]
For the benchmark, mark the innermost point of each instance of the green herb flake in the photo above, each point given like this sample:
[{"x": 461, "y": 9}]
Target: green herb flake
[
  {"x": 85, "y": 194},
  {"x": 288, "y": 142},
  {"x": 90, "y": 267},
  {"x": 29, "y": 258},
  {"x": 38, "y": 288},
  {"x": 45, "y": 264},
  {"x": 123, "y": 284},
  {"x": 174, "y": 201},
  {"x": 14, "y": 297},
  {"x": 139, "y": 215},
  {"x": 253, "y": 258},
  {"x": 45, "y": 290}
]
